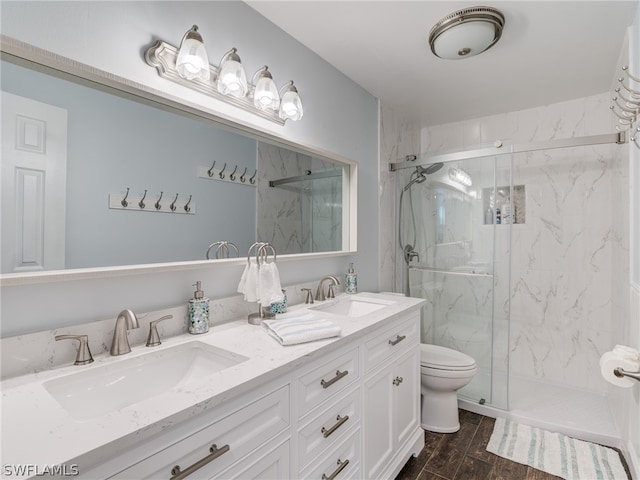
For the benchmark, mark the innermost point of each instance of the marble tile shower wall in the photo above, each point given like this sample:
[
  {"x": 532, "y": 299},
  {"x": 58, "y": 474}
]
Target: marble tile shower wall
[
  {"x": 561, "y": 272},
  {"x": 398, "y": 138}
]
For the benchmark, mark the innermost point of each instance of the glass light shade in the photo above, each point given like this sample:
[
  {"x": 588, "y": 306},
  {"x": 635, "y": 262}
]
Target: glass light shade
[
  {"x": 474, "y": 36},
  {"x": 192, "y": 61},
  {"x": 265, "y": 95},
  {"x": 291, "y": 105},
  {"x": 232, "y": 80}
]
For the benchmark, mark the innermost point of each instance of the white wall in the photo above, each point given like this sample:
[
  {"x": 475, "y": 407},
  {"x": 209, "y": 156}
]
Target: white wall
[{"x": 340, "y": 117}]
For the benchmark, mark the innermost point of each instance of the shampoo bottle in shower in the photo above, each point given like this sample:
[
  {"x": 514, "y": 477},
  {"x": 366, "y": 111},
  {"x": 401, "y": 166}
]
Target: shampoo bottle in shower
[
  {"x": 198, "y": 312},
  {"x": 351, "y": 280}
]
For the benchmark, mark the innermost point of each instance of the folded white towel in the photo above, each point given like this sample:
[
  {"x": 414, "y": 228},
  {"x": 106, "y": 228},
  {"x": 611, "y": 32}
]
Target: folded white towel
[
  {"x": 301, "y": 328},
  {"x": 269, "y": 288}
]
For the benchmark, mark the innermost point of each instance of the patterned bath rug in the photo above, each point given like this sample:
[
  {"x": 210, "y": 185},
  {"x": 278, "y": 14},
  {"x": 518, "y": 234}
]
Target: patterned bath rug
[{"x": 555, "y": 453}]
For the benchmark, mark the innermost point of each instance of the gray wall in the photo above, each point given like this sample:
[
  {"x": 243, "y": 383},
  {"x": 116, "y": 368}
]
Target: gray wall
[{"x": 340, "y": 117}]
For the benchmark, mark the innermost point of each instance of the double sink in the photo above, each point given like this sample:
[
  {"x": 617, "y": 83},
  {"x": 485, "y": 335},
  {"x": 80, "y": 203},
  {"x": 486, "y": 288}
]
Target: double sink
[{"x": 103, "y": 389}]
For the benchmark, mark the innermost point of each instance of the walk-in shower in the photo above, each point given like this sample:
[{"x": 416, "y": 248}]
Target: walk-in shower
[{"x": 499, "y": 242}]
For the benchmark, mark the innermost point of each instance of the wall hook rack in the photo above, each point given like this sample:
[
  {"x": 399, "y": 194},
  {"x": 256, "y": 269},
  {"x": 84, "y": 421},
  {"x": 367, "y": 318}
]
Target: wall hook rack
[
  {"x": 221, "y": 175},
  {"x": 136, "y": 203}
]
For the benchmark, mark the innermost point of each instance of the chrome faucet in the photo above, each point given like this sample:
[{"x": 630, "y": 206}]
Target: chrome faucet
[
  {"x": 126, "y": 320},
  {"x": 320, "y": 291}
]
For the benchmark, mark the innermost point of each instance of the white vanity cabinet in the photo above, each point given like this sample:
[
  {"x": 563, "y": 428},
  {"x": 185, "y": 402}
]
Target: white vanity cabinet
[
  {"x": 208, "y": 452},
  {"x": 351, "y": 412},
  {"x": 391, "y": 391}
]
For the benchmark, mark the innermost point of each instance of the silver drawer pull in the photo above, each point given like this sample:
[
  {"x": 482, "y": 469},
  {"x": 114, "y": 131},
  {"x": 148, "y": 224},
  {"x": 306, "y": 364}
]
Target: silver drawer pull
[
  {"x": 341, "y": 466},
  {"x": 178, "y": 474},
  {"x": 339, "y": 375},
  {"x": 340, "y": 421},
  {"x": 398, "y": 339},
  {"x": 398, "y": 380}
]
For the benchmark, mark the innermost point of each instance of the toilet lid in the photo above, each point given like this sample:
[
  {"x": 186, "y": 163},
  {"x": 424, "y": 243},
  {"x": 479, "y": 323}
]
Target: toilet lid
[{"x": 435, "y": 356}]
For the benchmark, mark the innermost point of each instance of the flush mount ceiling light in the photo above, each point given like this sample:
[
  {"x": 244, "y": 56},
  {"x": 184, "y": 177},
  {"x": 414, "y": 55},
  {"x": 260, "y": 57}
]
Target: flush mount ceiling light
[
  {"x": 189, "y": 67},
  {"x": 466, "y": 33},
  {"x": 192, "y": 61}
]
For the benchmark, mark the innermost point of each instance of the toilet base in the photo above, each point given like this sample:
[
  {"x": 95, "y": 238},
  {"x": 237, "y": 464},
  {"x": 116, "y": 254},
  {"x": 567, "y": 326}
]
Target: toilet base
[
  {"x": 439, "y": 411},
  {"x": 439, "y": 429}
]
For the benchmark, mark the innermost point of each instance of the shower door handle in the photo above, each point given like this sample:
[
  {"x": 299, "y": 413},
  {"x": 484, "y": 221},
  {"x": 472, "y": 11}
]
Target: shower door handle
[{"x": 398, "y": 339}]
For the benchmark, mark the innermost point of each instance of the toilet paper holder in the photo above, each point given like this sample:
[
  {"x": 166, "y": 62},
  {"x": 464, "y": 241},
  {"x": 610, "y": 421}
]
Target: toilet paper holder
[{"x": 620, "y": 373}]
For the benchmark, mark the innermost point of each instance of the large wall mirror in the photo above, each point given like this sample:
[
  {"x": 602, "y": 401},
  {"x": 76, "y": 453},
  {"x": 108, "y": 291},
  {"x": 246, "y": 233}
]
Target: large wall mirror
[{"x": 95, "y": 177}]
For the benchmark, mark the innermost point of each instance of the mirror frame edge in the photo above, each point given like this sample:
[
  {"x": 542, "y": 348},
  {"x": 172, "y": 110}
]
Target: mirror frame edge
[{"x": 67, "y": 66}]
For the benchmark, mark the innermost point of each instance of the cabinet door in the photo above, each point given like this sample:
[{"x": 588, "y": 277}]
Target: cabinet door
[
  {"x": 406, "y": 396},
  {"x": 264, "y": 464},
  {"x": 378, "y": 421}
]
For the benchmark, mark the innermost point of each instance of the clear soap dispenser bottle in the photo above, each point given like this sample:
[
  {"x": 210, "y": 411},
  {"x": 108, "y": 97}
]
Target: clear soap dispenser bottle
[
  {"x": 351, "y": 280},
  {"x": 198, "y": 312}
]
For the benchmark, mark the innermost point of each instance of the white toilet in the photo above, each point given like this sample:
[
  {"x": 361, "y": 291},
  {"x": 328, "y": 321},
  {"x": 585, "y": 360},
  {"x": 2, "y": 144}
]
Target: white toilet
[{"x": 443, "y": 372}]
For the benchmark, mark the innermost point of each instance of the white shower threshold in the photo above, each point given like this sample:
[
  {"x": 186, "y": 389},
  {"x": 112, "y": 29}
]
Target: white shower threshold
[{"x": 568, "y": 410}]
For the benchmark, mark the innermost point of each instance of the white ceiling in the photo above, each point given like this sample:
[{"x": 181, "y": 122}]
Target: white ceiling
[{"x": 550, "y": 51}]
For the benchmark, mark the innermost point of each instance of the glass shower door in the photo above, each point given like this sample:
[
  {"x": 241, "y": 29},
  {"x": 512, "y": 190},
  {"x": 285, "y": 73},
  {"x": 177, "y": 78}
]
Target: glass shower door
[{"x": 455, "y": 270}]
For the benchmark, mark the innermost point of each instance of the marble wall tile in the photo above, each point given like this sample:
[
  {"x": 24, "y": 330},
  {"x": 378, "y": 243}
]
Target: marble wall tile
[{"x": 398, "y": 138}]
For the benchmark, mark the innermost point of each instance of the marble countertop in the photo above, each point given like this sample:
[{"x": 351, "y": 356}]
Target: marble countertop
[{"x": 37, "y": 430}]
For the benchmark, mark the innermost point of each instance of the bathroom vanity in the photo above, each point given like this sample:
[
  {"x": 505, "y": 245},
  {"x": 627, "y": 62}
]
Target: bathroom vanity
[{"x": 245, "y": 406}]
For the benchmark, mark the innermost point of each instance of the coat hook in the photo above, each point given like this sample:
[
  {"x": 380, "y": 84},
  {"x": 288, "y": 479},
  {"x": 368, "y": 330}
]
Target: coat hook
[
  {"x": 210, "y": 171},
  {"x": 141, "y": 202},
  {"x": 221, "y": 174},
  {"x": 187, "y": 208},
  {"x": 242, "y": 177},
  {"x": 124, "y": 202},
  {"x": 158, "y": 206},
  {"x": 252, "y": 180},
  {"x": 233, "y": 174},
  {"x": 173, "y": 204}
]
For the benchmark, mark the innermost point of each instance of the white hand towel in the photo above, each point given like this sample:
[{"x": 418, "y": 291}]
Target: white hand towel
[
  {"x": 251, "y": 283},
  {"x": 301, "y": 328},
  {"x": 269, "y": 288},
  {"x": 243, "y": 279}
]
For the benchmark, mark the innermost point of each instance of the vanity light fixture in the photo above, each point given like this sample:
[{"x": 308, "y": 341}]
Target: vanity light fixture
[
  {"x": 232, "y": 80},
  {"x": 265, "y": 94},
  {"x": 290, "y": 105},
  {"x": 226, "y": 82},
  {"x": 192, "y": 61},
  {"x": 466, "y": 32}
]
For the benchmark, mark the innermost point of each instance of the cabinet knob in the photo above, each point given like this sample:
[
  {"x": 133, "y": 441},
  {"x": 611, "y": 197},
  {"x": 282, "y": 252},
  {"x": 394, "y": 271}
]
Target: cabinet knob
[
  {"x": 398, "y": 339},
  {"x": 397, "y": 381}
]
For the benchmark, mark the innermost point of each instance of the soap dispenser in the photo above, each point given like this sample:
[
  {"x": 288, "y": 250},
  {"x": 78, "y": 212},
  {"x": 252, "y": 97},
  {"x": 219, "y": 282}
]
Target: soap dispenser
[
  {"x": 198, "y": 311},
  {"x": 351, "y": 280}
]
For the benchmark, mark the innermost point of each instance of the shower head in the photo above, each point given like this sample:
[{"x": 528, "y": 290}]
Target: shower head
[{"x": 429, "y": 169}]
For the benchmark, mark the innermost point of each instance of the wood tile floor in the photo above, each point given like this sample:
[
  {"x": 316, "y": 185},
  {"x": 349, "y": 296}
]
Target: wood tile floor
[{"x": 463, "y": 456}]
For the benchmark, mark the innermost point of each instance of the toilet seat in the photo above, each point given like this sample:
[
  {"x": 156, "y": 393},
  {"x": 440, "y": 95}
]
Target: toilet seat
[{"x": 442, "y": 358}]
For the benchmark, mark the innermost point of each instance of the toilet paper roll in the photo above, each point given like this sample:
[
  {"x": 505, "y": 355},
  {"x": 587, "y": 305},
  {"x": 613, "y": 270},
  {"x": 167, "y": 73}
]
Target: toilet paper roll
[
  {"x": 610, "y": 361},
  {"x": 628, "y": 353}
]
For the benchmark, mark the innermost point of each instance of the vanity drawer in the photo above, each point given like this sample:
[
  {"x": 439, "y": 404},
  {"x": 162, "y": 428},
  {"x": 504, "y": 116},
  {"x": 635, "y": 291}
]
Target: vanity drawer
[
  {"x": 341, "y": 463},
  {"x": 329, "y": 427},
  {"x": 242, "y": 431},
  {"x": 404, "y": 334},
  {"x": 330, "y": 377}
]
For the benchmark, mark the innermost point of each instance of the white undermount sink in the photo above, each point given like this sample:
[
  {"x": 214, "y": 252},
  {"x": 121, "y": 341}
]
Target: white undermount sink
[
  {"x": 101, "y": 390},
  {"x": 353, "y": 306}
]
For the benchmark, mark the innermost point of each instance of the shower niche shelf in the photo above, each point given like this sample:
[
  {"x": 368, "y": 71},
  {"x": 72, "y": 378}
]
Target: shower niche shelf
[{"x": 504, "y": 205}]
